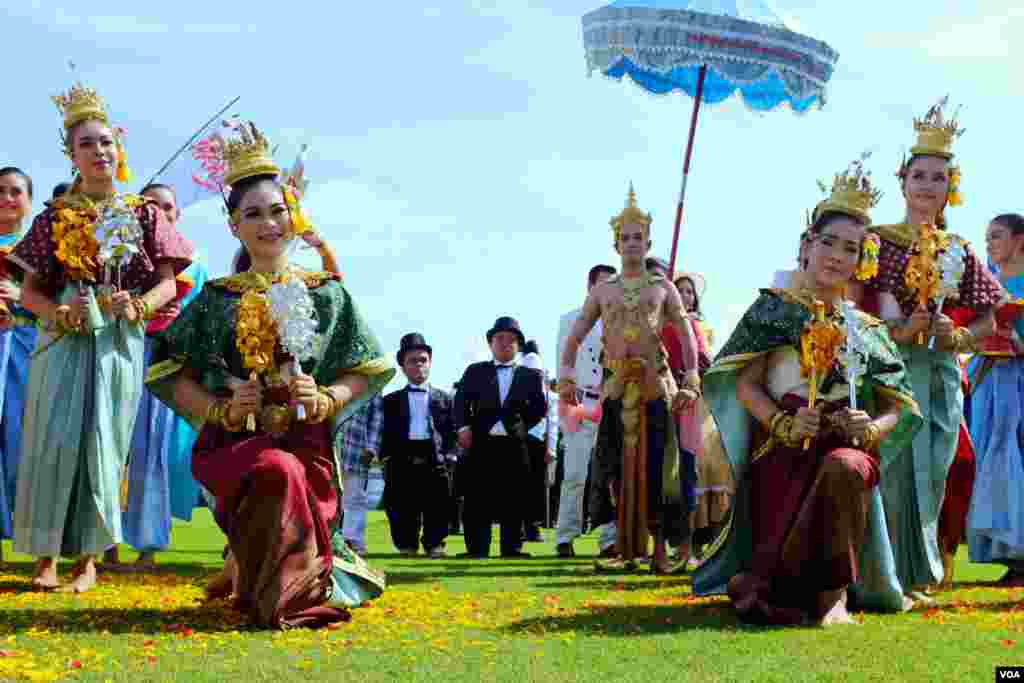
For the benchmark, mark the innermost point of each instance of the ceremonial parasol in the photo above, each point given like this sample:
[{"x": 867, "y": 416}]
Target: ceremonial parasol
[{"x": 708, "y": 49}]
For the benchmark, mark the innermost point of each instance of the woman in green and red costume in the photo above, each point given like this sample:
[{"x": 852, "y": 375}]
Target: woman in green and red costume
[
  {"x": 227, "y": 364},
  {"x": 806, "y": 521}
]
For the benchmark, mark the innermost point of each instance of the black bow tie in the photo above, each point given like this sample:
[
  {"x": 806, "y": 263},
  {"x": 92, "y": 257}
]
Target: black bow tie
[
  {"x": 501, "y": 366},
  {"x": 418, "y": 390}
]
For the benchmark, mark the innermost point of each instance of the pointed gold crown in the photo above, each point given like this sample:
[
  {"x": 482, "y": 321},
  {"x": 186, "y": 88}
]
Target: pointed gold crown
[
  {"x": 631, "y": 215},
  {"x": 248, "y": 156},
  {"x": 936, "y": 133},
  {"x": 80, "y": 104},
  {"x": 852, "y": 193}
]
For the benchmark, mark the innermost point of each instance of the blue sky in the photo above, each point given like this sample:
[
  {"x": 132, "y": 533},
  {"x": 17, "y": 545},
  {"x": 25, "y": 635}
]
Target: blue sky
[{"x": 464, "y": 166}]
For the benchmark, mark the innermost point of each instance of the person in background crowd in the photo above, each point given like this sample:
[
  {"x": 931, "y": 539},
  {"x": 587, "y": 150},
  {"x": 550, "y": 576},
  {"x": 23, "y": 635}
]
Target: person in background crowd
[
  {"x": 17, "y": 340},
  {"x": 497, "y": 404},
  {"x": 541, "y": 443},
  {"x": 360, "y": 451},
  {"x": 417, "y": 438},
  {"x": 578, "y": 444}
]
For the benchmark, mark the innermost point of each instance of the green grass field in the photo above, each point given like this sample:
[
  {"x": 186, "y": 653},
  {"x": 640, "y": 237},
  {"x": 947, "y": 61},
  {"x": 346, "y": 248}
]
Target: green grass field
[{"x": 448, "y": 620}]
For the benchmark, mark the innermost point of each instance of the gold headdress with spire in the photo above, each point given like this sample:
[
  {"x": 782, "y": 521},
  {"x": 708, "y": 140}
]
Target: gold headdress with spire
[
  {"x": 936, "y": 134},
  {"x": 80, "y": 104},
  {"x": 248, "y": 156},
  {"x": 852, "y": 193},
  {"x": 631, "y": 215},
  {"x": 84, "y": 104}
]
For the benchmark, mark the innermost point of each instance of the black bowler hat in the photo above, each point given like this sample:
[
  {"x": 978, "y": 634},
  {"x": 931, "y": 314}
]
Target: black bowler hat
[
  {"x": 413, "y": 341},
  {"x": 506, "y": 324}
]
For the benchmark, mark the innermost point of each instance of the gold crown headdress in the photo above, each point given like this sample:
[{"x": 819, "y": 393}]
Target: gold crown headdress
[
  {"x": 84, "y": 104},
  {"x": 936, "y": 133},
  {"x": 80, "y": 104},
  {"x": 248, "y": 156},
  {"x": 935, "y": 137},
  {"x": 631, "y": 215},
  {"x": 852, "y": 193}
]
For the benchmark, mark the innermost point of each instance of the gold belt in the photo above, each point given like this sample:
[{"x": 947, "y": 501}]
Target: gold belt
[{"x": 627, "y": 366}]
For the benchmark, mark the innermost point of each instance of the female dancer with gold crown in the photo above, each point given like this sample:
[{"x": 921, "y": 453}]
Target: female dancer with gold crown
[
  {"x": 96, "y": 265},
  {"x": 804, "y": 392},
  {"x": 927, "y": 278},
  {"x": 270, "y": 361}
]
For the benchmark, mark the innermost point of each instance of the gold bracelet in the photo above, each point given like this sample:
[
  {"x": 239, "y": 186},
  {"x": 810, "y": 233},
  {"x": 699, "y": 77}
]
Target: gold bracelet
[
  {"x": 215, "y": 413},
  {"x": 782, "y": 429},
  {"x": 225, "y": 420},
  {"x": 774, "y": 419},
  {"x": 324, "y": 402},
  {"x": 143, "y": 310},
  {"x": 336, "y": 403},
  {"x": 964, "y": 340},
  {"x": 872, "y": 438}
]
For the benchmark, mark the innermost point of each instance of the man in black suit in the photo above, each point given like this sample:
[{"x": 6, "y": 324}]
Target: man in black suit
[
  {"x": 497, "y": 403},
  {"x": 418, "y": 435}
]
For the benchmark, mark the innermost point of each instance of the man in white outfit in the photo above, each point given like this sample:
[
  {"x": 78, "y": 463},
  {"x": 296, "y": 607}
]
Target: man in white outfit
[{"x": 579, "y": 444}]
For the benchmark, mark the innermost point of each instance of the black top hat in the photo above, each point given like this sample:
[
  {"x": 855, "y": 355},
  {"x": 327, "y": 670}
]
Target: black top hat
[
  {"x": 506, "y": 324},
  {"x": 413, "y": 341}
]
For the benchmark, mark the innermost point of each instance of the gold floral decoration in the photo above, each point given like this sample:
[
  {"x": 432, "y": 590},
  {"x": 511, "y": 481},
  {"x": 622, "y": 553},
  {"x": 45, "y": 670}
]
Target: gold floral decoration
[
  {"x": 819, "y": 346},
  {"x": 77, "y": 248},
  {"x": 255, "y": 332},
  {"x": 954, "y": 198},
  {"x": 301, "y": 223},
  {"x": 923, "y": 274}
]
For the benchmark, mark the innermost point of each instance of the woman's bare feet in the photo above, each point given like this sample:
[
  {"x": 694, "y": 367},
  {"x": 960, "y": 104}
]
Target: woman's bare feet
[
  {"x": 832, "y": 605},
  {"x": 84, "y": 576},
  {"x": 224, "y": 584},
  {"x": 46, "y": 575},
  {"x": 147, "y": 560}
]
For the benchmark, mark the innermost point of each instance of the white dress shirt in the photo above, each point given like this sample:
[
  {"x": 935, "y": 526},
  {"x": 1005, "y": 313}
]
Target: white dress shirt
[
  {"x": 588, "y": 358},
  {"x": 505, "y": 374},
  {"x": 419, "y": 412},
  {"x": 548, "y": 427}
]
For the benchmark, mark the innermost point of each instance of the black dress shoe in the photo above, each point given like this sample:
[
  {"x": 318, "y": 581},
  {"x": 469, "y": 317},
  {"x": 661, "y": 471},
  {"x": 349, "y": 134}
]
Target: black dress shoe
[
  {"x": 516, "y": 555},
  {"x": 471, "y": 556},
  {"x": 565, "y": 550}
]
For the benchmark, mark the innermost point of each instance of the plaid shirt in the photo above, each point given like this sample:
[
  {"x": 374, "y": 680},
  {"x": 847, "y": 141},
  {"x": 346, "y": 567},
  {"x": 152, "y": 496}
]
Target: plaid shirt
[{"x": 362, "y": 433}]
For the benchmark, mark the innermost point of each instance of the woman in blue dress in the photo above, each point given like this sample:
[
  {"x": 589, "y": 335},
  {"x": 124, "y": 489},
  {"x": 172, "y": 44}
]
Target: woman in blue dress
[
  {"x": 995, "y": 524},
  {"x": 160, "y": 482},
  {"x": 17, "y": 339}
]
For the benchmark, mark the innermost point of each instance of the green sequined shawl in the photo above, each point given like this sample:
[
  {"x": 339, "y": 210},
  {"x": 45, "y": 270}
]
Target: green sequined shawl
[
  {"x": 202, "y": 339},
  {"x": 776, "y": 320}
]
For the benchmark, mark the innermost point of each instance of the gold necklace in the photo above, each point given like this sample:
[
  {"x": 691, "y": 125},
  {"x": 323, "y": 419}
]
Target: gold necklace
[{"x": 631, "y": 290}]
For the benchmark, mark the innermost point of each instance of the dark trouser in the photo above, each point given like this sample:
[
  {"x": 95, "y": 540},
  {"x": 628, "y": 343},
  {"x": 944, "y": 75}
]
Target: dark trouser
[
  {"x": 418, "y": 498},
  {"x": 536, "y": 490},
  {"x": 455, "y": 508},
  {"x": 495, "y": 477}
]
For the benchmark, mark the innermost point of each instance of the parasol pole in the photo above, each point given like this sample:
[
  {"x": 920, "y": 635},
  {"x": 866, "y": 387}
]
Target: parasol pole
[
  {"x": 686, "y": 167},
  {"x": 192, "y": 139}
]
